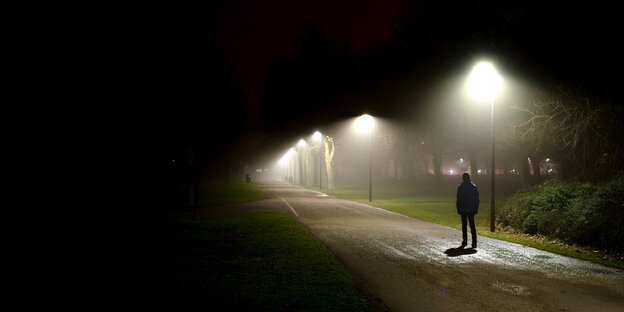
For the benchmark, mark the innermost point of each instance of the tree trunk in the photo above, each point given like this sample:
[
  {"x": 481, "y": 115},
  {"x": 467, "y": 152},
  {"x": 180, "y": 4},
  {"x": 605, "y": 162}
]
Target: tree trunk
[
  {"x": 535, "y": 162},
  {"x": 565, "y": 166},
  {"x": 523, "y": 166},
  {"x": 437, "y": 165},
  {"x": 396, "y": 170},
  {"x": 329, "y": 156},
  {"x": 331, "y": 184},
  {"x": 473, "y": 162},
  {"x": 301, "y": 168},
  {"x": 410, "y": 169}
]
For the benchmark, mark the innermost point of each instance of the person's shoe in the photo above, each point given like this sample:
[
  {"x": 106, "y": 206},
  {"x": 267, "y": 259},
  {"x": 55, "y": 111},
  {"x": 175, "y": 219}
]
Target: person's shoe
[
  {"x": 463, "y": 245},
  {"x": 474, "y": 245}
]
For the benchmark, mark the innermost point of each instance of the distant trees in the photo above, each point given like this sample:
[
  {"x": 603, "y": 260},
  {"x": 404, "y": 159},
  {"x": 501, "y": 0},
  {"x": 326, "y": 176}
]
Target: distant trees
[{"x": 581, "y": 131}]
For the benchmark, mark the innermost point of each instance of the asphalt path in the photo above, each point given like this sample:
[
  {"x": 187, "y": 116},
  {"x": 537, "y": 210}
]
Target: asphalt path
[{"x": 404, "y": 264}]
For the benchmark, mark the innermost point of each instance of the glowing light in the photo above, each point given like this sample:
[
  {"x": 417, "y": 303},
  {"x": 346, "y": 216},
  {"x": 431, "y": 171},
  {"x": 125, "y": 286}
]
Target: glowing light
[
  {"x": 479, "y": 171},
  {"x": 484, "y": 81},
  {"x": 547, "y": 159},
  {"x": 461, "y": 160},
  {"x": 286, "y": 156},
  {"x": 451, "y": 171},
  {"x": 302, "y": 143},
  {"x": 317, "y": 136},
  {"x": 364, "y": 123}
]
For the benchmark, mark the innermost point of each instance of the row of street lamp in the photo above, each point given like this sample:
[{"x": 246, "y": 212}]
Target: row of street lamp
[
  {"x": 484, "y": 83},
  {"x": 364, "y": 124}
]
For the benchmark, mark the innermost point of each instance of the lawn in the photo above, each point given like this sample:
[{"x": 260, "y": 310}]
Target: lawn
[
  {"x": 216, "y": 193},
  {"x": 252, "y": 261},
  {"x": 439, "y": 208}
]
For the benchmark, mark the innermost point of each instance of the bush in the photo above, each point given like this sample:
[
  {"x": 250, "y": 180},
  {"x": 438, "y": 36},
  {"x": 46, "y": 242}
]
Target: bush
[
  {"x": 609, "y": 223},
  {"x": 583, "y": 213},
  {"x": 510, "y": 214}
]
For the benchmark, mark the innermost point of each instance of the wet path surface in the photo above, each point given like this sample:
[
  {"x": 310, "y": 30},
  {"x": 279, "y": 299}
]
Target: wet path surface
[{"x": 406, "y": 264}]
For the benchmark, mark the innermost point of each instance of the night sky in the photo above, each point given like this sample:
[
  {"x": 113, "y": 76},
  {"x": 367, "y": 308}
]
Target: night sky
[
  {"x": 253, "y": 33},
  {"x": 219, "y": 66}
]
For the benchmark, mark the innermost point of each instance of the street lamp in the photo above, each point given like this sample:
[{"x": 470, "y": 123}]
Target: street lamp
[
  {"x": 365, "y": 123},
  {"x": 318, "y": 137},
  {"x": 484, "y": 83}
]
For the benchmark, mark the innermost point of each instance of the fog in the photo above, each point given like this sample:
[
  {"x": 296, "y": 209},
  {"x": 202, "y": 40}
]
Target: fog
[{"x": 432, "y": 146}]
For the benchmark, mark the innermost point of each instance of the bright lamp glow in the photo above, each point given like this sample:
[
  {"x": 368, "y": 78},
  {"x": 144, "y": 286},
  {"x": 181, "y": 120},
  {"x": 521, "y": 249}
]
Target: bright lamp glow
[
  {"x": 317, "y": 136},
  {"x": 301, "y": 143},
  {"x": 484, "y": 81},
  {"x": 285, "y": 158},
  {"x": 364, "y": 123}
]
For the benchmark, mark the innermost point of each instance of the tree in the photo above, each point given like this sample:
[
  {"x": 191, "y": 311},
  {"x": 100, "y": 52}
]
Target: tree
[
  {"x": 330, "y": 148},
  {"x": 582, "y": 132}
]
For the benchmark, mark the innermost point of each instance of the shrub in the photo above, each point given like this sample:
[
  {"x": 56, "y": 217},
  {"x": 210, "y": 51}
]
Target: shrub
[
  {"x": 608, "y": 219},
  {"x": 513, "y": 211},
  {"x": 590, "y": 214}
]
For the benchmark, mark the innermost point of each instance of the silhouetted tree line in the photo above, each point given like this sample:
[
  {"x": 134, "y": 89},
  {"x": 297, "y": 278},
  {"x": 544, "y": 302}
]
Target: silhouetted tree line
[{"x": 199, "y": 101}]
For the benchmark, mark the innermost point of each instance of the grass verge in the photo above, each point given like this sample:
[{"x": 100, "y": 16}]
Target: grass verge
[
  {"x": 217, "y": 193},
  {"x": 440, "y": 208},
  {"x": 254, "y": 261}
]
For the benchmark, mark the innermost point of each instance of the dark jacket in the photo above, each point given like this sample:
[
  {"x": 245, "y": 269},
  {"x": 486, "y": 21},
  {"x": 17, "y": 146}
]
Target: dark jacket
[{"x": 467, "y": 198}]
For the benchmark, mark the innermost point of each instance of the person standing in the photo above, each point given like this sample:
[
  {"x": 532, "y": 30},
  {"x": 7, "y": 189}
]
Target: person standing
[{"x": 468, "y": 206}]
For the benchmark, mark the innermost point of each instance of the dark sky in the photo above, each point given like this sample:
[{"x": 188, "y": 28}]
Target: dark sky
[
  {"x": 253, "y": 33},
  {"x": 577, "y": 42}
]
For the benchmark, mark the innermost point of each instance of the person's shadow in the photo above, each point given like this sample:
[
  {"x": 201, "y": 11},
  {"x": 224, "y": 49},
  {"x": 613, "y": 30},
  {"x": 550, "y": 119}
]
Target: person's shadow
[{"x": 459, "y": 251}]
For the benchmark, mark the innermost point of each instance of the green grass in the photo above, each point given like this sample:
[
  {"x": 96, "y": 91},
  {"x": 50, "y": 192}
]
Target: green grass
[
  {"x": 214, "y": 193},
  {"x": 219, "y": 192},
  {"x": 254, "y": 261},
  {"x": 437, "y": 207}
]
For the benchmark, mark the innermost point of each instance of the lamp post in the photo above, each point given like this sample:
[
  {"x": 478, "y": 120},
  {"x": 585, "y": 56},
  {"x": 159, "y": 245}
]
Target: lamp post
[
  {"x": 291, "y": 166},
  {"x": 318, "y": 137},
  {"x": 484, "y": 82},
  {"x": 365, "y": 123}
]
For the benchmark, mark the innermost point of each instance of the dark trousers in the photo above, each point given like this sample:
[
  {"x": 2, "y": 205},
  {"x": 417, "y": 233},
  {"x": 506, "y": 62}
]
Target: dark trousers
[{"x": 473, "y": 231}]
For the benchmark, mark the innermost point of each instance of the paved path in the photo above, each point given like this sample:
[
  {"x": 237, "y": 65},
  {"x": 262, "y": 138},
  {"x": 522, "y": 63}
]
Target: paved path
[{"x": 406, "y": 264}]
